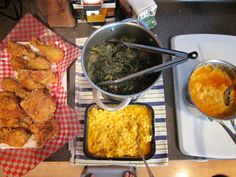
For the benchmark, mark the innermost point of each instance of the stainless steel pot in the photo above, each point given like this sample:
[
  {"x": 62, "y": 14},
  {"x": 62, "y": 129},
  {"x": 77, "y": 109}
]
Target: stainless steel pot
[
  {"x": 230, "y": 69},
  {"x": 132, "y": 29}
]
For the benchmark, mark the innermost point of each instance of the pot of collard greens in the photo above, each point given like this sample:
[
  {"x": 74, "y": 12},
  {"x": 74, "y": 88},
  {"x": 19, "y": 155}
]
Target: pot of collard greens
[{"x": 103, "y": 61}]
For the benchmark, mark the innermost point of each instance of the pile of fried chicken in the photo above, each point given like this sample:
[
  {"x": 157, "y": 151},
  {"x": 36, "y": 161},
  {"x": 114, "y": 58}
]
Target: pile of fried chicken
[{"x": 26, "y": 105}]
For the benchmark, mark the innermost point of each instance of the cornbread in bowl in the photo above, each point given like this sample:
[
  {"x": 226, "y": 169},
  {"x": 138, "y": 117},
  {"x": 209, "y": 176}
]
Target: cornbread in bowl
[{"x": 113, "y": 135}]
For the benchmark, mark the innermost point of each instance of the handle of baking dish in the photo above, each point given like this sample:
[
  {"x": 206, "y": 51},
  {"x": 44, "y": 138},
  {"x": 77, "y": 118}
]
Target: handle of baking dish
[{"x": 121, "y": 105}]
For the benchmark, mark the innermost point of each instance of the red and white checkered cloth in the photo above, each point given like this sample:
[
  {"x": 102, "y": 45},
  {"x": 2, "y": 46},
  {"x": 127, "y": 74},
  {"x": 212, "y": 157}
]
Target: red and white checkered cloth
[{"x": 17, "y": 162}]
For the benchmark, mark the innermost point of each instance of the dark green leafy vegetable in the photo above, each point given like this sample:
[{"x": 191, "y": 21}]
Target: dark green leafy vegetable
[{"x": 112, "y": 61}]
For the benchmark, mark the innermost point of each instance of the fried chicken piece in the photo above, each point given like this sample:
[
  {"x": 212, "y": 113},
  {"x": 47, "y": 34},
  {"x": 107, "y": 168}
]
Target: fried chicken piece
[
  {"x": 36, "y": 79},
  {"x": 3, "y": 133},
  {"x": 18, "y": 63},
  {"x": 25, "y": 122},
  {"x": 8, "y": 94},
  {"x": 11, "y": 114},
  {"x": 53, "y": 53},
  {"x": 11, "y": 85},
  {"x": 20, "y": 50},
  {"x": 10, "y": 108},
  {"x": 16, "y": 137},
  {"x": 45, "y": 131},
  {"x": 39, "y": 106},
  {"x": 39, "y": 63},
  {"x": 28, "y": 82},
  {"x": 16, "y": 49},
  {"x": 30, "y": 53},
  {"x": 44, "y": 77},
  {"x": 9, "y": 120}
]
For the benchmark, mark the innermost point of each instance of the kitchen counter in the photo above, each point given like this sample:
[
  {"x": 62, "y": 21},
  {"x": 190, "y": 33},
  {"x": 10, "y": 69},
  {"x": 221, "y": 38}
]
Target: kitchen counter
[
  {"x": 173, "y": 18},
  {"x": 175, "y": 168}
]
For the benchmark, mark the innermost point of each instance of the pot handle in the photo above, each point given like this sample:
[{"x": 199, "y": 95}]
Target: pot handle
[
  {"x": 133, "y": 20},
  {"x": 230, "y": 133},
  {"x": 120, "y": 106}
]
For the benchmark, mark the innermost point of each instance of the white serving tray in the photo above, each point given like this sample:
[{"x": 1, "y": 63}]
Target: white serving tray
[{"x": 197, "y": 135}]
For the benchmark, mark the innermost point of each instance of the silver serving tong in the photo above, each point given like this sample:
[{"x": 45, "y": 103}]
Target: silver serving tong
[{"x": 181, "y": 57}]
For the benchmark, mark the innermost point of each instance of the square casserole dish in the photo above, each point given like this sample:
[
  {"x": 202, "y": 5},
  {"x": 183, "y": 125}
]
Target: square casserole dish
[{"x": 151, "y": 145}]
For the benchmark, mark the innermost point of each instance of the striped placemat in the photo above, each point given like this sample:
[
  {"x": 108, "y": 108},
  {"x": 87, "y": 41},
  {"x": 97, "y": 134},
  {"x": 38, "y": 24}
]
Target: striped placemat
[{"x": 83, "y": 97}]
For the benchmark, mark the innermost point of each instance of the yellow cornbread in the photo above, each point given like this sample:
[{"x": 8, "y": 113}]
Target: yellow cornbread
[{"x": 114, "y": 134}]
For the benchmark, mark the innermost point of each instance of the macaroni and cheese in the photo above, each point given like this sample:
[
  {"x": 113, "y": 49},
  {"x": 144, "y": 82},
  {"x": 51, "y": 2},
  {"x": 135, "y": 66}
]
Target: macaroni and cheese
[{"x": 114, "y": 134}]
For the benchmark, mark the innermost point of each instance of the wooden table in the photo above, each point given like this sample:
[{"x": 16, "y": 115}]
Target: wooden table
[{"x": 176, "y": 168}]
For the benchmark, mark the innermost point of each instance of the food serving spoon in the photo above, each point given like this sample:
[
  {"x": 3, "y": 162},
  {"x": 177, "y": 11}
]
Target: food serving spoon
[
  {"x": 144, "y": 160},
  {"x": 181, "y": 58},
  {"x": 227, "y": 93}
]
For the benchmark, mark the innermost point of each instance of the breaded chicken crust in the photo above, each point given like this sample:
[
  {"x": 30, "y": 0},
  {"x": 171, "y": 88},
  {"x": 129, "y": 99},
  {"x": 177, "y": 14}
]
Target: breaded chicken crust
[
  {"x": 18, "y": 118},
  {"x": 16, "y": 137},
  {"x": 45, "y": 131},
  {"x": 20, "y": 50},
  {"x": 39, "y": 63},
  {"x": 53, "y": 53},
  {"x": 12, "y": 85},
  {"x": 40, "y": 109},
  {"x": 36, "y": 79},
  {"x": 9, "y": 107},
  {"x": 18, "y": 63}
]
